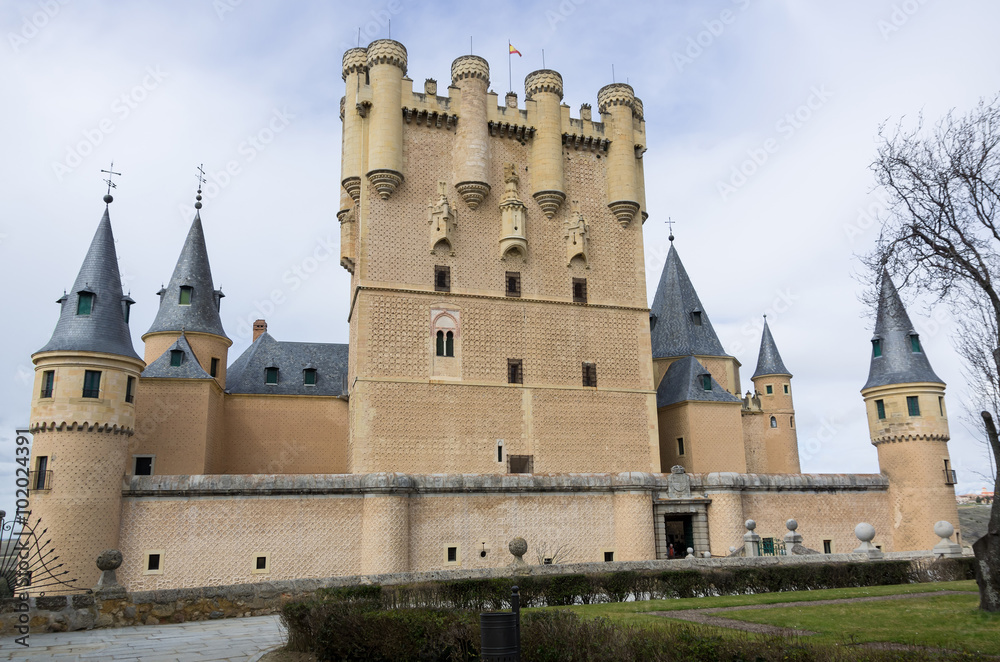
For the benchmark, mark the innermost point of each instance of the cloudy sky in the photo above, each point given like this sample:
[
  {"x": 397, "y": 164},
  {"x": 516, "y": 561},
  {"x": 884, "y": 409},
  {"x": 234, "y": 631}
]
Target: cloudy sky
[{"x": 760, "y": 115}]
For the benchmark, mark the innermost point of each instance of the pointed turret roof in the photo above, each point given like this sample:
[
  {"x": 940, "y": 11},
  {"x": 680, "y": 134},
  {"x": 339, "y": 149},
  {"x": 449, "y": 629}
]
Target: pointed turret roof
[
  {"x": 898, "y": 362},
  {"x": 769, "y": 360},
  {"x": 683, "y": 383},
  {"x": 104, "y": 328},
  {"x": 681, "y": 326},
  {"x": 192, "y": 270}
]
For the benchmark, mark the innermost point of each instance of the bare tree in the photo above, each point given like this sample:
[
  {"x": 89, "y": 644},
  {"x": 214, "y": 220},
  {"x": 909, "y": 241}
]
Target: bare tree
[{"x": 940, "y": 235}]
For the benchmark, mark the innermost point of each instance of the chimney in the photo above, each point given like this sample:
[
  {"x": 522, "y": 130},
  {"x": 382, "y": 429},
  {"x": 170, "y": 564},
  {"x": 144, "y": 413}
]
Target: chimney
[{"x": 259, "y": 327}]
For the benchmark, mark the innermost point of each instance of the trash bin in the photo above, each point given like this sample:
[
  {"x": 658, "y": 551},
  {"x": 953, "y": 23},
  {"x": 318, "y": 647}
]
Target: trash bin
[{"x": 498, "y": 639}]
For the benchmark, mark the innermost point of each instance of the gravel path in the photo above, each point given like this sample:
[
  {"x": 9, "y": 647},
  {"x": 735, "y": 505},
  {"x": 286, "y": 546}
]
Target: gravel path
[{"x": 702, "y": 615}]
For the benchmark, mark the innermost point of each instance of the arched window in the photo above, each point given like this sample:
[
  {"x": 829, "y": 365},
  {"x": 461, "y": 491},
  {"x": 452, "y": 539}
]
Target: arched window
[
  {"x": 440, "y": 343},
  {"x": 774, "y": 422},
  {"x": 449, "y": 347}
]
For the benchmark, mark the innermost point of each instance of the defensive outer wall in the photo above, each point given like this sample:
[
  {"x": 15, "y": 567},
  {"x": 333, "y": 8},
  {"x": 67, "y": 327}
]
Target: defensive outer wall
[{"x": 209, "y": 530}]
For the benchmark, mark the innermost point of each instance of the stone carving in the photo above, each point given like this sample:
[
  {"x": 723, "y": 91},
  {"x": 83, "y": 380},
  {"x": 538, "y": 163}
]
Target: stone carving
[
  {"x": 679, "y": 483},
  {"x": 442, "y": 220},
  {"x": 577, "y": 236},
  {"x": 518, "y": 547},
  {"x": 751, "y": 541},
  {"x": 946, "y": 547},
  {"x": 473, "y": 193},
  {"x": 107, "y": 585},
  {"x": 513, "y": 236},
  {"x": 866, "y": 533}
]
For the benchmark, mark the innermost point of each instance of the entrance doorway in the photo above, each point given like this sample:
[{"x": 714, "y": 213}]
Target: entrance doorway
[{"x": 680, "y": 533}]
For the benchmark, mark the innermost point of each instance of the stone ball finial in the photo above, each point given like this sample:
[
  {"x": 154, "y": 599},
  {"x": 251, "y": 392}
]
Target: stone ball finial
[
  {"x": 791, "y": 525},
  {"x": 943, "y": 529},
  {"x": 865, "y": 532},
  {"x": 109, "y": 559},
  {"x": 751, "y": 525},
  {"x": 518, "y": 547}
]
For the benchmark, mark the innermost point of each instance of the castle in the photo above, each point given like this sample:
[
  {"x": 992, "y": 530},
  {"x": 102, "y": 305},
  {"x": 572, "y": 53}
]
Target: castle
[{"x": 505, "y": 376}]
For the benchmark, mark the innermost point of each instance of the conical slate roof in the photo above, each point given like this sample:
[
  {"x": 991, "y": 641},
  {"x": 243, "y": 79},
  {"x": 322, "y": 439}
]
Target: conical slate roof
[
  {"x": 192, "y": 270},
  {"x": 104, "y": 329},
  {"x": 682, "y": 327},
  {"x": 188, "y": 369},
  {"x": 769, "y": 360},
  {"x": 898, "y": 363},
  {"x": 683, "y": 383}
]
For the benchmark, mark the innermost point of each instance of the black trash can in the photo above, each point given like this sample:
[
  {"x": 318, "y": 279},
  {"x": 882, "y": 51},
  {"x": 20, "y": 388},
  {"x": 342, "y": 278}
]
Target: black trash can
[{"x": 499, "y": 638}]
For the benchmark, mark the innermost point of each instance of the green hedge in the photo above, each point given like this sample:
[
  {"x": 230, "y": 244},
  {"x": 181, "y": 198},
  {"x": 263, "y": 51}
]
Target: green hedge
[
  {"x": 560, "y": 590},
  {"x": 355, "y": 630}
]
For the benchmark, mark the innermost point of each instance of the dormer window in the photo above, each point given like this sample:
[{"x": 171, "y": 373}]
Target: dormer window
[
  {"x": 126, "y": 308},
  {"x": 696, "y": 317},
  {"x": 85, "y": 303},
  {"x": 706, "y": 382},
  {"x": 176, "y": 358},
  {"x": 185, "y": 298},
  {"x": 652, "y": 321},
  {"x": 876, "y": 348},
  {"x": 914, "y": 343},
  {"x": 271, "y": 376},
  {"x": 309, "y": 377}
]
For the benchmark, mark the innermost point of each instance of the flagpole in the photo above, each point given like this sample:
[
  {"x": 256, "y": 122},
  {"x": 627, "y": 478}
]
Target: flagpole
[{"x": 510, "y": 78}]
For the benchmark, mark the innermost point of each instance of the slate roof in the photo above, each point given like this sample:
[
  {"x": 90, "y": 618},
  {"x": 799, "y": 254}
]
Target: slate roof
[
  {"x": 246, "y": 374},
  {"x": 769, "y": 360},
  {"x": 104, "y": 329},
  {"x": 682, "y": 383},
  {"x": 675, "y": 333},
  {"x": 193, "y": 270},
  {"x": 899, "y": 364},
  {"x": 188, "y": 369}
]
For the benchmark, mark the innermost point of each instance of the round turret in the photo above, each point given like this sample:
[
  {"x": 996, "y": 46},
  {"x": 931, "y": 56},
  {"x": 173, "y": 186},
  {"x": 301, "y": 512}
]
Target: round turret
[
  {"x": 355, "y": 62},
  {"x": 617, "y": 101},
  {"x": 545, "y": 88},
  {"x": 386, "y": 68},
  {"x": 471, "y": 156}
]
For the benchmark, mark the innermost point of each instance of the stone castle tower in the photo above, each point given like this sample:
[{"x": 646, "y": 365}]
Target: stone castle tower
[
  {"x": 498, "y": 294},
  {"x": 83, "y": 412},
  {"x": 908, "y": 422},
  {"x": 773, "y": 385}
]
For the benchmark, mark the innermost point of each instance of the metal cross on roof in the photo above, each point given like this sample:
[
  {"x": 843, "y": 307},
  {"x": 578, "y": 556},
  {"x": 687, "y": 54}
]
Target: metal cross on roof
[
  {"x": 670, "y": 224},
  {"x": 201, "y": 176},
  {"x": 111, "y": 173}
]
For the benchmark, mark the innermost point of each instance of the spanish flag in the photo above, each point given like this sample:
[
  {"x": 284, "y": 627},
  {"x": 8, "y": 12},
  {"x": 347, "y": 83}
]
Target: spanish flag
[{"x": 513, "y": 50}]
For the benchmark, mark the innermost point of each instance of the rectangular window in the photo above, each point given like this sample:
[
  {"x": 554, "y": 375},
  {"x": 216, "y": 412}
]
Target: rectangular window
[
  {"x": 696, "y": 317},
  {"x": 880, "y": 409},
  {"x": 680, "y": 445},
  {"x": 520, "y": 464},
  {"x": 185, "y": 299},
  {"x": 769, "y": 389},
  {"x": 41, "y": 471},
  {"x": 513, "y": 283},
  {"x": 828, "y": 547},
  {"x": 912, "y": 405},
  {"x": 442, "y": 278},
  {"x": 270, "y": 376},
  {"x": 514, "y": 371},
  {"x": 48, "y": 381},
  {"x": 451, "y": 555},
  {"x": 261, "y": 564},
  {"x": 176, "y": 357},
  {"x": 941, "y": 406},
  {"x": 706, "y": 382},
  {"x": 142, "y": 465},
  {"x": 590, "y": 374},
  {"x": 500, "y": 451},
  {"x": 84, "y": 303},
  {"x": 580, "y": 290},
  {"x": 214, "y": 371},
  {"x": 154, "y": 562},
  {"x": 915, "y": 343},
  {"x": 609, "y": 557},
  {"x": 876, "y": 348},
  {"x": 309, "y": 377},
  {"x": 92, "y": 384},
  {"x": 130, "y": 390},
  {"x": 786, "y": 389}
]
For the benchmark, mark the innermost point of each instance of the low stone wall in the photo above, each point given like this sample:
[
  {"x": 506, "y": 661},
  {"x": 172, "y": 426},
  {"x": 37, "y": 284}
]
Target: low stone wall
[{"x": 115, "y": 608}]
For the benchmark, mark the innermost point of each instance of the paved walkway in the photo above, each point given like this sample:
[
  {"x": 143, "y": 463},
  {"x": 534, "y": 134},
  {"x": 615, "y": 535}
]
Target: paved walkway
[{"x": 227, "y": 640}]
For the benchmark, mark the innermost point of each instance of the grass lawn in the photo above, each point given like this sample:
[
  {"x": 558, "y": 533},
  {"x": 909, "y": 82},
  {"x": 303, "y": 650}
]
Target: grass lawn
[{"x": 947, "y": 621}]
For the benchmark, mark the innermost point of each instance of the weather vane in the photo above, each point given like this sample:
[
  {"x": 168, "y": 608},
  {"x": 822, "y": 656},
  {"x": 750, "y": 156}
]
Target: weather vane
[
  {"x": 201, "y": 181},
  {"x": 670, "y": 225},
  {"x": 111, "y": 173}
]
